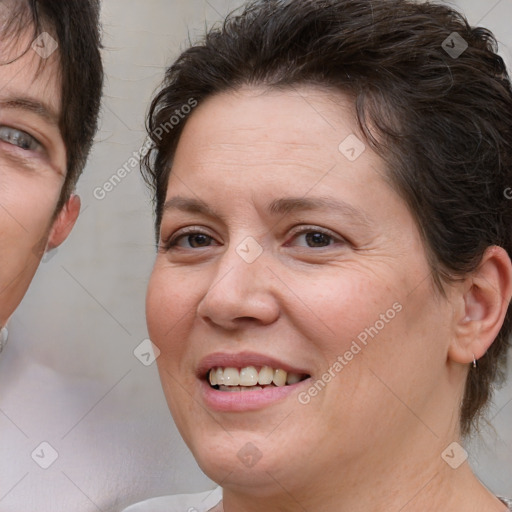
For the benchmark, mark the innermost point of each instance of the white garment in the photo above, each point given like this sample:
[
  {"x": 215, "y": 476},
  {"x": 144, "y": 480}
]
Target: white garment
[
  {"x": 507, "y": 502},
  {"x": 4, "y": 334},
  {"x": 201, "y": 502}
]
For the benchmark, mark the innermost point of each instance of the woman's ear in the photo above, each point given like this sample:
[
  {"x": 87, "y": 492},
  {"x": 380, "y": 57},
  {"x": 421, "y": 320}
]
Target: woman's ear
[
  {"x": 64, "y": 222},
  {"x": 485, "y": 296}
]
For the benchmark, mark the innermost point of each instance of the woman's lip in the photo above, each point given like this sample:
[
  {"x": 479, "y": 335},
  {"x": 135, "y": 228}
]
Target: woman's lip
[
  {"x": 240, "y": 401},
  {"x": 243, "y": 360}
]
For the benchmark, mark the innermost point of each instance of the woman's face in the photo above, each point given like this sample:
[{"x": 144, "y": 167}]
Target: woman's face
[{"x": 284, "y": 249}]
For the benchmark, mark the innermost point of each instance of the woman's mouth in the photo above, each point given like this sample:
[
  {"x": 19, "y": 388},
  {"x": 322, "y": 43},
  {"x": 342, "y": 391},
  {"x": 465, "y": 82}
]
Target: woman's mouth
[
  {"x": 248, "y": 381},
  {"x": 251, "y": 378}
]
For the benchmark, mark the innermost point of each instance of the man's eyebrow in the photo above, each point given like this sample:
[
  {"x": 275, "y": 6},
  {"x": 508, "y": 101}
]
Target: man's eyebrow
[
  {"x": 30, "y": 105},
  {"x": 289, "y": 205}
]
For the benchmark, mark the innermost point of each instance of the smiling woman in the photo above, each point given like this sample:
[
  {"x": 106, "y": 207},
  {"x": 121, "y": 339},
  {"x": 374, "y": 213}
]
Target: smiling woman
[{"x": 331, "y": 291}]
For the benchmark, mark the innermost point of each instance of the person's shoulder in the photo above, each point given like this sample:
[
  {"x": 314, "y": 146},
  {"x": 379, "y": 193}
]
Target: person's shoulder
[
  {"x": 200, "y": 502},
  {"x": 507, "y": 502}
]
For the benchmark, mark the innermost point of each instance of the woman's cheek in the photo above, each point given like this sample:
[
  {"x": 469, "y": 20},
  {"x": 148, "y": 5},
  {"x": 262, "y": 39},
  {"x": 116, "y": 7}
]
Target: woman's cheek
[
  {"x": 169, "y": 308},
  {"x": 156, "y": 306}
]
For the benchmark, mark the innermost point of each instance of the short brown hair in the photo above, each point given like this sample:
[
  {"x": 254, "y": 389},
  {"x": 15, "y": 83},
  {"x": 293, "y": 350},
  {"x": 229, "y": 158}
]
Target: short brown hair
[
  {"x": 441, "y": 121},
  {"x": 75, "y": 26}
]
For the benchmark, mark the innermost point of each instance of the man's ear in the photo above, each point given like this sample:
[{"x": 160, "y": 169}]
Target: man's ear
[
  {"x": 485, "y": 296},
  {"x": 64, "y": 222}
]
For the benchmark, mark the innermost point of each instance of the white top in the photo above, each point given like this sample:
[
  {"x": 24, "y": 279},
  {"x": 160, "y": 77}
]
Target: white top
[
  {"x": 504, "y": 500},
  {"x": 201, "y": 502},
  {"x": 197, "y": 503}
]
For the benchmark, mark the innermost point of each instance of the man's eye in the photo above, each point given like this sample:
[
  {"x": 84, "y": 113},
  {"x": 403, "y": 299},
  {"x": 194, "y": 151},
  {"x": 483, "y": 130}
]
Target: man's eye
[{"x": 19, "y": 138}]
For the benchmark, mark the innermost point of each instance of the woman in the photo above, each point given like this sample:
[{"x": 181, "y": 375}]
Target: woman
[{"x": 330, "y": 296}]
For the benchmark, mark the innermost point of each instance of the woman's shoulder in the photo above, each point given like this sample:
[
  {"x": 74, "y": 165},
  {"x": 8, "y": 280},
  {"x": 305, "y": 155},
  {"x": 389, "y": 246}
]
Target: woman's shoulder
[{"x": 200, "y": 502}]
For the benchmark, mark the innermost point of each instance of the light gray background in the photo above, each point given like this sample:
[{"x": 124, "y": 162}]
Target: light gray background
[{"x": 68, "y": 375}]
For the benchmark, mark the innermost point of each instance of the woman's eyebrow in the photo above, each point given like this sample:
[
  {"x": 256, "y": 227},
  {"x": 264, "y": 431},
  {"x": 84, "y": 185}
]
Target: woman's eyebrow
[
  {"x": 283, "y": 206},
  {"x": 289, "y": 205},
  {"x": 31, "y": 105},
  {"x": 189, "y": 205}
]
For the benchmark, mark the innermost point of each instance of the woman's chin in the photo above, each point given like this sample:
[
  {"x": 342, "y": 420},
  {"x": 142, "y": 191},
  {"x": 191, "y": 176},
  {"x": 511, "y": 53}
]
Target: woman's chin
[
  {"x": 239, "y": 464},
  {"x": 258, "y": 480}
]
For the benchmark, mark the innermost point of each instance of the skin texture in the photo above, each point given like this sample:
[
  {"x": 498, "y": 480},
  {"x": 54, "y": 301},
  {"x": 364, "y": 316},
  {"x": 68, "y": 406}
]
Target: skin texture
[
  {"x": 30, "y": 179},
  {"x": 372, "y": 438}
]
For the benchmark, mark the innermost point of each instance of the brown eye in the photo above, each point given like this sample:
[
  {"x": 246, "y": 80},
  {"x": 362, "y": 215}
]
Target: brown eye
[
  {"x": 191, "y": 240},
  {"x": 314, "y": 238},
  {"x": 198, "y": 240},
  {"x": 318, "y": 239}
]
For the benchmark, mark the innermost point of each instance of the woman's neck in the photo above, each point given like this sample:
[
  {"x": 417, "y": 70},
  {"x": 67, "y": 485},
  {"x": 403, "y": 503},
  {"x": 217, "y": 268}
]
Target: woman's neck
[
  {"x": 420, "y": 481},
  {"x": 477, "y": 499}
]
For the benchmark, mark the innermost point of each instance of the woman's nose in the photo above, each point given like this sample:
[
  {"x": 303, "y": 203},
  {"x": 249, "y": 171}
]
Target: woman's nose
[{"x": 240, "y": 294}]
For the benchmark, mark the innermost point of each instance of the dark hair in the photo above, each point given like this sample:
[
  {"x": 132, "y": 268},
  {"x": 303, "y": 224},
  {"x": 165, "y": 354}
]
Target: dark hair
[
  {"x": 74, "y": 24},
  {"x": 441, "y": 120}
]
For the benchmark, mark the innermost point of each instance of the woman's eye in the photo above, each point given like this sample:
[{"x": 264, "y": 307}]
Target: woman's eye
[
  {"x": 318, "y": 239},
  {"x": 19, "y": 138},
  {"x": 191, "y": 241},
  {"x": 313, "y": 239}
]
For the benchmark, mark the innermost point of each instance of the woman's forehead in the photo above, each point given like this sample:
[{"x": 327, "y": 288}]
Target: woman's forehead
[{"x": 306, "y": 127}]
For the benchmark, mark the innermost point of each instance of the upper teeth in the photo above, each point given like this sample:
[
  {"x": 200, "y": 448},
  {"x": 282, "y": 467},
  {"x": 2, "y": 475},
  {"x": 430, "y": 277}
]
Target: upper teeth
[{"x": 250, "y": 376}]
